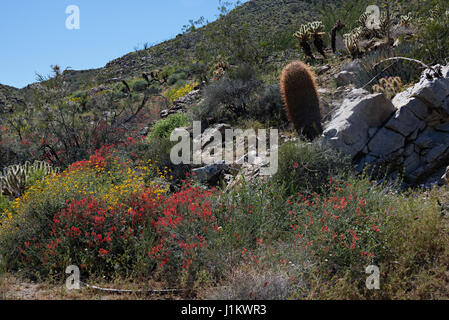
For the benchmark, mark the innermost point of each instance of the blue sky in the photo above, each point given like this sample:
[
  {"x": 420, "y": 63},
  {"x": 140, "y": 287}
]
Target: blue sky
[{"x": 33, "y": 33}]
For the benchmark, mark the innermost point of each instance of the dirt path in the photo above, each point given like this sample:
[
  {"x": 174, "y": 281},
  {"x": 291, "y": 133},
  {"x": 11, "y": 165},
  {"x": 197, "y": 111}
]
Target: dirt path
[{"x": 12, "y": 288}]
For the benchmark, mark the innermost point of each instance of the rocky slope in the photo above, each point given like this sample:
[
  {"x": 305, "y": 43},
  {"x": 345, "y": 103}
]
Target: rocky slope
[{"x": 408, "y": 135}]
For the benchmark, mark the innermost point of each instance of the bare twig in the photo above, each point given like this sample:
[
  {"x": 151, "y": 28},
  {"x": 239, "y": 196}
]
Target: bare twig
[
  {"x": 395, "y": 59},
  {"x": 407, "y": 59},
  {"x": 122, "y": 291}
]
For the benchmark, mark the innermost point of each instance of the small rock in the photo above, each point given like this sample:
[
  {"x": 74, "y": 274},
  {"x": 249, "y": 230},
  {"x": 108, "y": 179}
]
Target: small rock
[{"x": 344, "y": 78}]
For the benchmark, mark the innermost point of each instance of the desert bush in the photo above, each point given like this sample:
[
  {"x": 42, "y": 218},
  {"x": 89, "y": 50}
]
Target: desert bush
[
  {"x": 307, "y": 167},
  {"x": 339, "y": 228},
  {"x": 4, "y": 203},
  {"x": 163, "y": 128},
  {"x": 413, "y": 234},
  {"x": 241, "y": 96},
  {"x": 433, "y": 37},
  {"x": 187, "y": 228},
  {"x": 61, "y": 129},
  {"x": 139, "y": 86},
  {"x": 268, "y": 107},
  {"x": 158, "y": 150},
  {"x": 29, "y": 223},
  {"x": 176, "y": 76},
  {"x": 176, "y": 93},
  {"x": 250, "y": 213},
  {"x": 227, "y": 100}
]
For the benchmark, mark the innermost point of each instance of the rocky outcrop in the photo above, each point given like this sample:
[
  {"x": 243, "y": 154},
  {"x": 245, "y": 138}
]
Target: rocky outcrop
[
  {"x": 357, "y": 120},
  {"x": 410, "y": 134},
  {"x": 182, "y": 104},
  {"x": 211, "y": 174}
]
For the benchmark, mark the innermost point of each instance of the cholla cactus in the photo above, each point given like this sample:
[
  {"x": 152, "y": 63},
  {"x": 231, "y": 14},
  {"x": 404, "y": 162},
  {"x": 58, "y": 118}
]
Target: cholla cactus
[
  {"x": 352, "y": 41},
  {"x": 385, "y": 25},
  {"x": 315, "y": 29},
  {"x": 220, "y": 69},
  {"x": 14, "y": 179},
  {"x": 389, "y": 86},
  {"x": 303, "y": 36},
  {"x": 367, "y": 30},
  {"x": 406, "y": 20}
]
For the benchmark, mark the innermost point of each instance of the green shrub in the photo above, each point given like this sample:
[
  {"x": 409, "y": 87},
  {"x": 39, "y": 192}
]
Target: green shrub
[
  {"x": 268, "y": 107},
  {"x": 227, "y": 100},
  {"x": 163, "y": 128},
  {"x": 177, "y": 76},
  {"x": 139, "y": 86},
  {"x": 251, "y": 212},
  {"x": 4, "y": 203},
  {"x": 340, "y": 228},
  {"x": 413, "y": 238},
  {"x": 158, "y": 150},
  {"x": 307, "y": 167},
  {"x": 434, "y": 37}
]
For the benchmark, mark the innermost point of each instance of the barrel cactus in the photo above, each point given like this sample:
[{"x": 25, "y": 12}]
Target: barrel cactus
[{"x": 301, "y": 98}]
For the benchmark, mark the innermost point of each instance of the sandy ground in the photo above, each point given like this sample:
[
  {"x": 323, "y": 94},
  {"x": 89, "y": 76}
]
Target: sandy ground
[{"x": 12, "y": 288}]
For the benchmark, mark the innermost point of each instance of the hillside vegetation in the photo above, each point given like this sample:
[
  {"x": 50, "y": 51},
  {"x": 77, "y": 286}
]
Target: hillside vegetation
[{"x": 87, "y": 179}]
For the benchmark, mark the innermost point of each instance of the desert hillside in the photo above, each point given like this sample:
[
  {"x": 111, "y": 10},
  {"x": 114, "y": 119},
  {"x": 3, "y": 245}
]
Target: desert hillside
[{"x": 355, "y": 100}]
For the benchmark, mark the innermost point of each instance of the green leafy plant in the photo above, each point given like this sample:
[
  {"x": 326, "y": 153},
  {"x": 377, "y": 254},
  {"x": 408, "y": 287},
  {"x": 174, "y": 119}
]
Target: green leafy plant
[
  {"x": 306, "y": 167},
  {"x": 164, "y": 127},
  {"x": 433, "y": 38}
]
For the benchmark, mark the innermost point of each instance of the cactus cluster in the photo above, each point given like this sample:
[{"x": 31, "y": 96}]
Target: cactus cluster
[
  {"x": 303, "y": 37},
  {"x": 352, "y": 40},
  {"x": 406, "y": 20},
  {"x": 311, "y": 31},
  {"x": 14, "y": 179},
  {"x": 363, "y": 32},
  {"x": 390, "y": 86},
  {"x": 385, "y": 25},
  {"x": 220, "y": 69}
]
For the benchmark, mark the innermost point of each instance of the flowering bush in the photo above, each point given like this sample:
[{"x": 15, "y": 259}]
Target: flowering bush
[
  {"x": 95, "y": 236},
  {"x": 177, "y": 93},
  {"x": 186, "y": 229},
  {"x": 342, "y": 229},
  {"x": 101, "y": 182}
]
